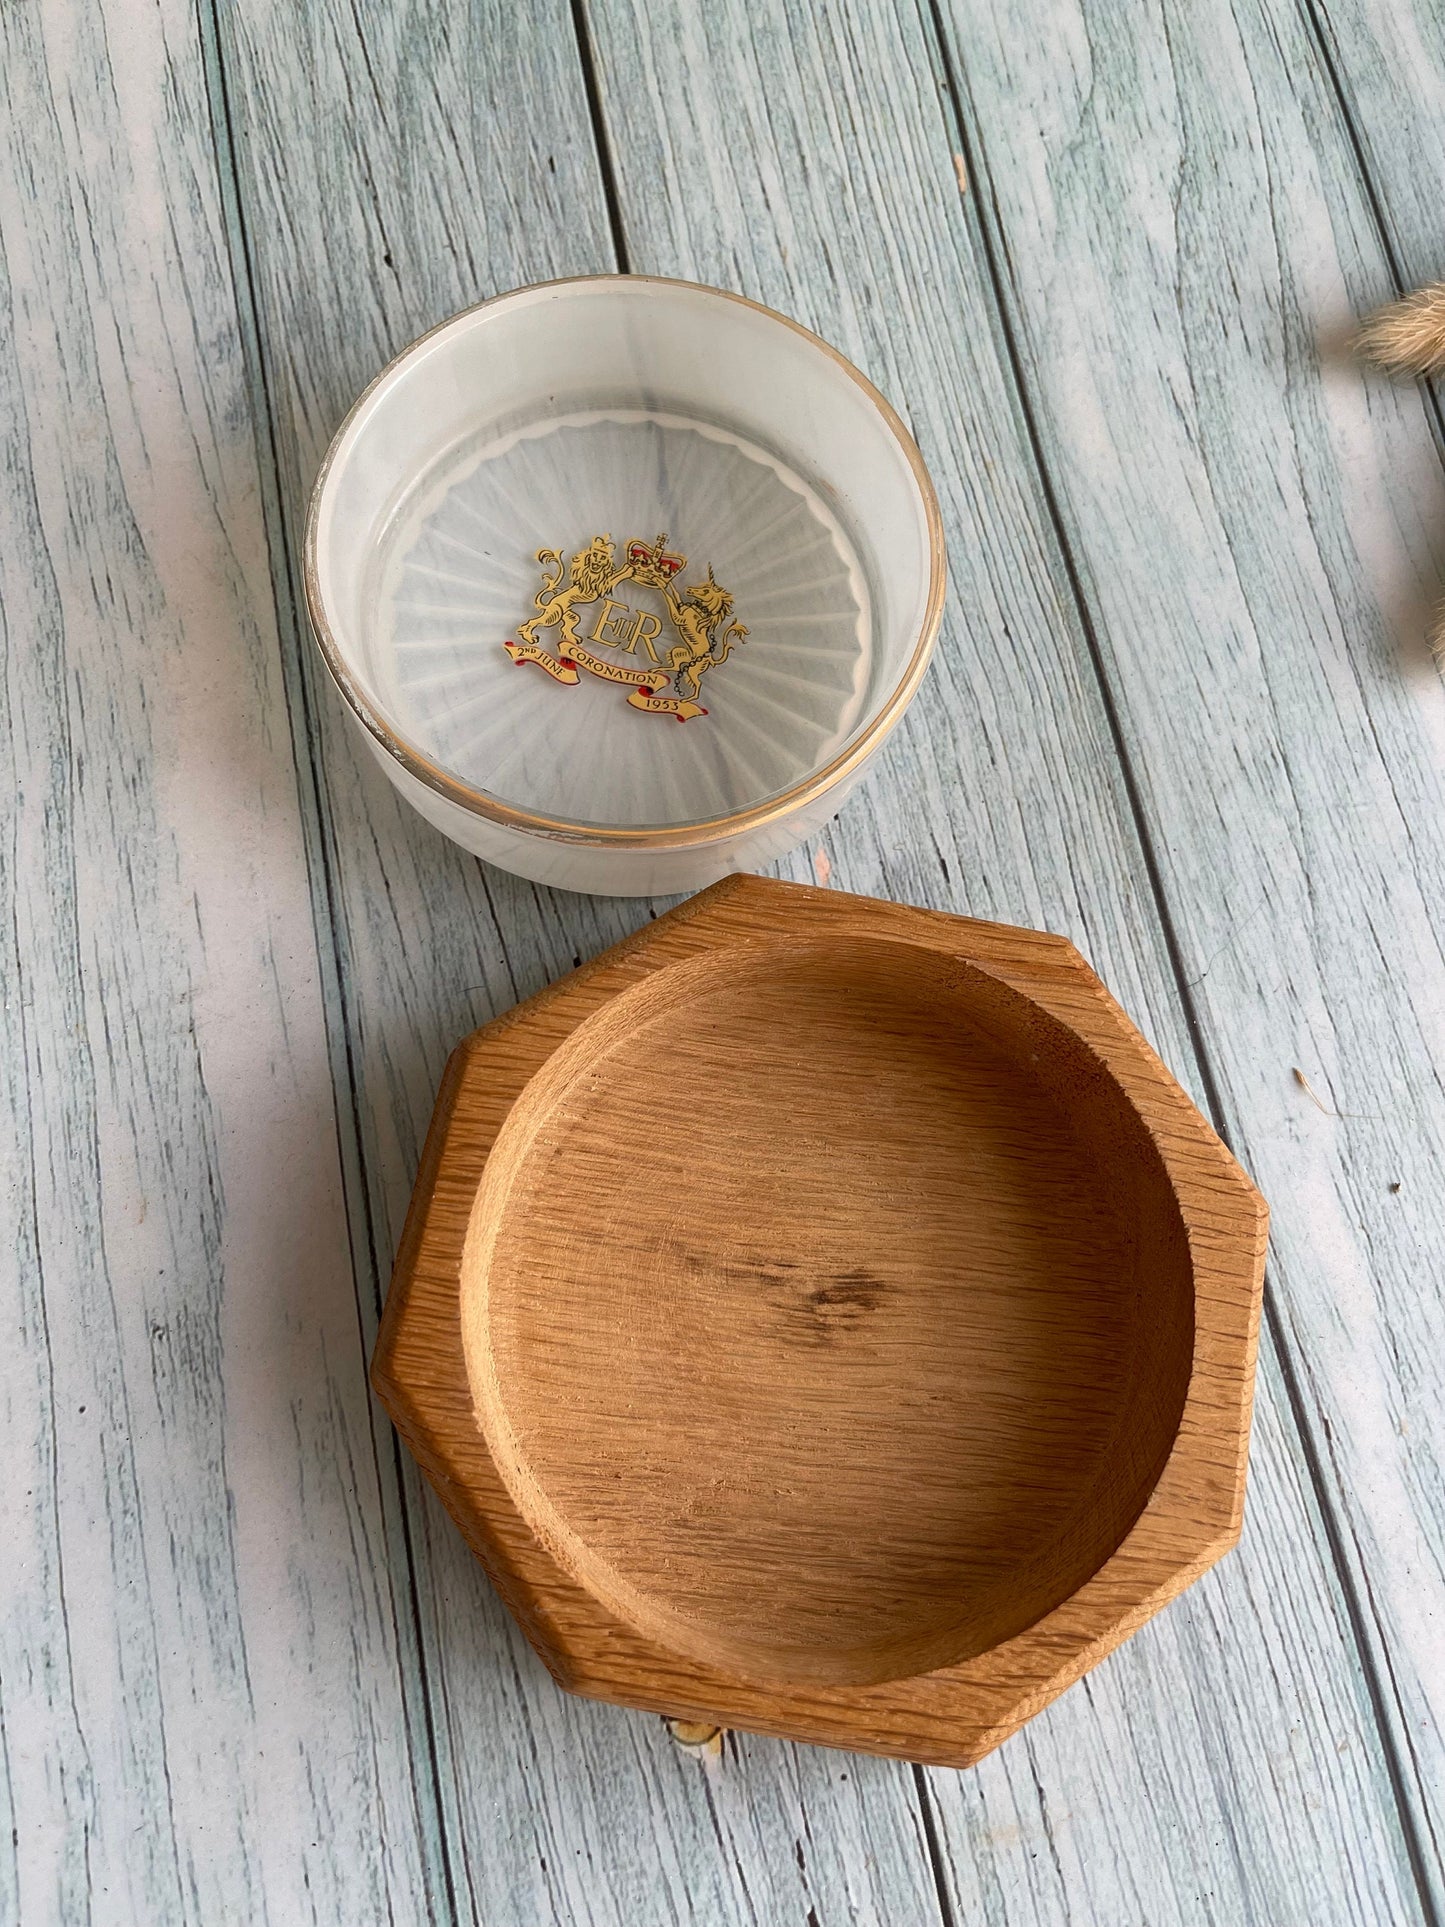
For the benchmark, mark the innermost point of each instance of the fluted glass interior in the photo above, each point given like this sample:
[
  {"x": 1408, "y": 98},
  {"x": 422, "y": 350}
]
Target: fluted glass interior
[
  {"x": 756, "y": 554},
  {"x": 458, "y": 574}
]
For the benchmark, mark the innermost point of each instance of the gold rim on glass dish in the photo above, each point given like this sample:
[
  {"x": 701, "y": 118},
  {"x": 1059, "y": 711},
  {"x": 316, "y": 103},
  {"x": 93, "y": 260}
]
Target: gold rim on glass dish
[{"x": 675, "y": 835}]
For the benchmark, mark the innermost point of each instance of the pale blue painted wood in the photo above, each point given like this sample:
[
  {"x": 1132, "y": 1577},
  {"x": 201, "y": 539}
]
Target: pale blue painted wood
[
  {"x": 1385, "y": 61},
  {"x": 246, "y": 1668},
  {"x": 200, "y": 1690}
]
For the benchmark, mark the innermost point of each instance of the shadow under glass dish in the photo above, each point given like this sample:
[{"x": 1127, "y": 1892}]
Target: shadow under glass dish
[{"x": 632, "y": 409}]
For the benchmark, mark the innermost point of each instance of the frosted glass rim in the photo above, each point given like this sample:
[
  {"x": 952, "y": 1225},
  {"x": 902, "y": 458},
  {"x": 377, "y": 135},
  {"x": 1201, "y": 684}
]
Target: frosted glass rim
[{"x": 685, "y": 835}]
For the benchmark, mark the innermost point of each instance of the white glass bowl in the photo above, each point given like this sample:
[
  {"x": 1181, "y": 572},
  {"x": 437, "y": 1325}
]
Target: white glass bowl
[{"x": 569, "y": 520}]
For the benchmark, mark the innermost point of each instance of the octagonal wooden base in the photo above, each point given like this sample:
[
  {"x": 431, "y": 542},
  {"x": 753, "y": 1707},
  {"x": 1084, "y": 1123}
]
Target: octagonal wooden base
[{"x": 827, "y": 1318}]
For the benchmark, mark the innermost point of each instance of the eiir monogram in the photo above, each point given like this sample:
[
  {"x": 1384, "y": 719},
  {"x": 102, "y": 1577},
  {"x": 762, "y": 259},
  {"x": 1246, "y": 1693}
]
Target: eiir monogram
[{"x": 700, "y": 614}]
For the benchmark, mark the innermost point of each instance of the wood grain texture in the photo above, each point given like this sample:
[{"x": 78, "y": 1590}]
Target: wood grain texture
[
  {"x": 1386, "y": 66},
  {"x": 780, "y": 1620},
  {"x": 1225, "y": 477},
  {"x": 833, "y": 175},
  {"x": 202, "y": 1716},
  {"x": 464, "y": 154}
]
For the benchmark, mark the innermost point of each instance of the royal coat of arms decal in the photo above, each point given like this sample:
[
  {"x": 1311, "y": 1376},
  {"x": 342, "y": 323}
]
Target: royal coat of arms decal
[{"x": 665, "y": 684}]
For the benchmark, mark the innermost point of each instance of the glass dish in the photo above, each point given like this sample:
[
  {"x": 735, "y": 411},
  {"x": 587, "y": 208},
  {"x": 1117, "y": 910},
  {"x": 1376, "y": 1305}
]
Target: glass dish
[{"x": 582, "y": 514}]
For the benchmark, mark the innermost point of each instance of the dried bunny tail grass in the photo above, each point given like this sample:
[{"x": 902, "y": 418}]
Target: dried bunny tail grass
[
  {"x": 1437, "y": 635},
  {"x": 1408, "y": 337}
]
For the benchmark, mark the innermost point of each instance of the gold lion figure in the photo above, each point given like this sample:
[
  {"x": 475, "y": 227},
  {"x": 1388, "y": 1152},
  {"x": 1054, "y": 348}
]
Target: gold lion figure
[
  {"x": 697, "y": 613},
  {"x": 593, "y": 573}
]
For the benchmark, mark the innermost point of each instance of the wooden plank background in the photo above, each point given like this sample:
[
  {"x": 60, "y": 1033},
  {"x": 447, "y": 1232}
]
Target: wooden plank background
[{"x": 1105, "y": 259}]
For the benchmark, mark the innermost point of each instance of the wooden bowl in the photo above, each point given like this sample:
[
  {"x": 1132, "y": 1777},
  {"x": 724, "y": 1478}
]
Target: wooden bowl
[{"x": 829, "y": 1318}]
